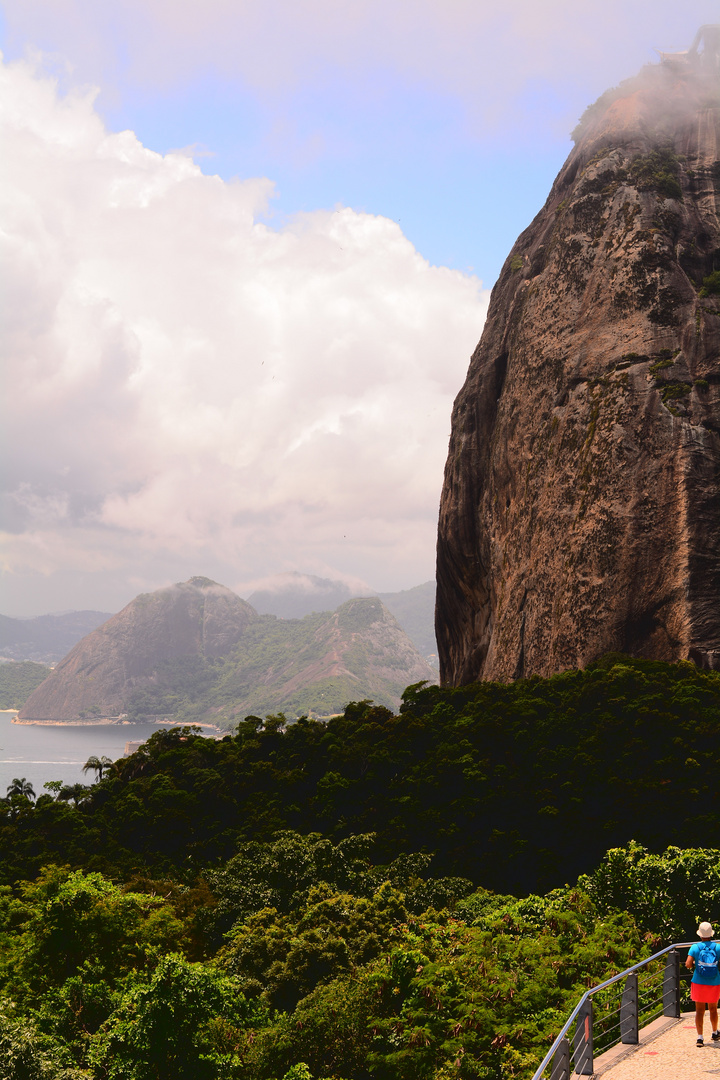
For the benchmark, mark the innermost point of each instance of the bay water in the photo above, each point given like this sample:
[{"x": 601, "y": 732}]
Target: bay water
[{"x": 43, "y": 753}]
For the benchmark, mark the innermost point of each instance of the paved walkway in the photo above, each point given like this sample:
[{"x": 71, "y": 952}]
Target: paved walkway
[{"x": 666, "y": 1051}]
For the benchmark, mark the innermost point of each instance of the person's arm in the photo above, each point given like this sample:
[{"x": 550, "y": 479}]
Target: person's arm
[{"x": 690, "y": 962}]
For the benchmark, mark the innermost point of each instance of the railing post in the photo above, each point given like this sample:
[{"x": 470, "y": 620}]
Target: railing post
[
  {"x": 583, "y": 1043},
  {"x": 671, "y": 985},
  {"x": 560, "y": 1069},
  {"x": 629, "y": 1011}
]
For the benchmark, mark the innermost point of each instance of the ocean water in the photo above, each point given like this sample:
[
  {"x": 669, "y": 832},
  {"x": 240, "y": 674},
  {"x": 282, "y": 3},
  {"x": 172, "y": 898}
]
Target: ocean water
[{"x": 59, "y": 753}]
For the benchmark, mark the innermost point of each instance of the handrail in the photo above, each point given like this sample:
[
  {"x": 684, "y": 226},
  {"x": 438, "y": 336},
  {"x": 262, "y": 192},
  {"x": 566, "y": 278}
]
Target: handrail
[{"x": 593, "y": 990}]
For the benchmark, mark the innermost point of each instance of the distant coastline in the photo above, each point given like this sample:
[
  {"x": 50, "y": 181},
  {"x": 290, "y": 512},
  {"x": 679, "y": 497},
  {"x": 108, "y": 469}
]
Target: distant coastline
[
  {"x": 105, "y": 721},
  {"x": 72, "y": 723}
]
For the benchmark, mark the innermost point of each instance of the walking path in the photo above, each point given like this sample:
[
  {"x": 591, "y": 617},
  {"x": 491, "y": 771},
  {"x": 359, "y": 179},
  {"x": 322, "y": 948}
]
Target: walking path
[{"x": 666, "y": 1051}]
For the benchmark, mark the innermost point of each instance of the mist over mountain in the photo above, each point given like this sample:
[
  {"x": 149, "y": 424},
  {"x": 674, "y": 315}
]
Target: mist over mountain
[
  {"x": 293, "y": 595},
  {"x": 580, "y": 511}
]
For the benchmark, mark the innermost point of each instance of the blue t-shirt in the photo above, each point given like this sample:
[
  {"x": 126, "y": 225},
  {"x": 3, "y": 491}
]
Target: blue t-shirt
[{"x": 706, "y": 955}]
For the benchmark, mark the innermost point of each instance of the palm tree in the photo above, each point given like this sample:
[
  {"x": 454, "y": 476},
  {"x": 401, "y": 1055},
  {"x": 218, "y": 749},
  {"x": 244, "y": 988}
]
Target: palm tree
[
  {"x": 98, "y": 764},
  {"x": 21, "y": 787},
  {"x": 76, "y": 792},
  {"x": 18, "y": 797}
]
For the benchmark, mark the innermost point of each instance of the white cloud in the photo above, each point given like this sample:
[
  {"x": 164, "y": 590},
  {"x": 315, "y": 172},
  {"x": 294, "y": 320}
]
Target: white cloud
[
  {"x": 485, "y": 53},
  {"x": 183, "y": 379}
]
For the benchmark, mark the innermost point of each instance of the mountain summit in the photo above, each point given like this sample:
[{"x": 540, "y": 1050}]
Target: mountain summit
[
  {"x": 195, "y": 618},
  {"x": 580, "y": 510}
]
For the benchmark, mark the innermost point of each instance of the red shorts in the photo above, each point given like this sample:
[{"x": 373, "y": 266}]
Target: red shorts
[{"x": 700, "y": 992}]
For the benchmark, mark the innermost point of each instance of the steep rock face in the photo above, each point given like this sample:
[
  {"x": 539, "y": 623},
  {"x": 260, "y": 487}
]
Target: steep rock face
[
  {"x": 96, "y": 678},
  {"x": 580, "y": 511}
]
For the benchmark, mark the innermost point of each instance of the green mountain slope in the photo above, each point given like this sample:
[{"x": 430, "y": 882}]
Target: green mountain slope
[
  {"x": 195, "y": 619},
  {"x": 311, "y": 666},
  {"x": 18, "y": 679},
  {"x": 293, "y": 596},
  {"x": 414, "y": 609}
]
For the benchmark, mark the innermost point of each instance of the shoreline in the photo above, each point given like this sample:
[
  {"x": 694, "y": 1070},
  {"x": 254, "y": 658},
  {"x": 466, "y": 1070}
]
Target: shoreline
[{"x": 103, "y": 721}]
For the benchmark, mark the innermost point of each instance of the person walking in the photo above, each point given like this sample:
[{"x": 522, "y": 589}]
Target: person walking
[{"x": 704, "y": 957}]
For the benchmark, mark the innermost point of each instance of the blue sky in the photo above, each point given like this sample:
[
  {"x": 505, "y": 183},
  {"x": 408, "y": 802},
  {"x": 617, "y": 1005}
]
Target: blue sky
[
  {"x": 462, "y": 161},
  {"x": 252, "y": 374}
]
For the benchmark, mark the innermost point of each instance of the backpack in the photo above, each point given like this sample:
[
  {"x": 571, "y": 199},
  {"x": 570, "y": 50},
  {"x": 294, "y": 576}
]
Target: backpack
[{"x": 707, "y": 960}]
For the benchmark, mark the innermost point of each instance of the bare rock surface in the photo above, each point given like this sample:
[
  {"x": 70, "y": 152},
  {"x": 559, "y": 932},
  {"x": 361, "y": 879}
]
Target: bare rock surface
[{"x": 580, "y": 511}]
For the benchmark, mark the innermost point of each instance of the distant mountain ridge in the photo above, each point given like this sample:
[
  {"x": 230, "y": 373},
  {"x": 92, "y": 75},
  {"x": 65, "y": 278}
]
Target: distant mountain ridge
[
  {"x": 46, "y": 638},
  {"x": 197, "y": 651},
  {"x": 414, "y": 609},
  {"x": 293, "y": 596}
]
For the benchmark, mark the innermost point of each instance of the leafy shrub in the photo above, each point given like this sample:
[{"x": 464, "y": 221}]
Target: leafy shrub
[
  {"x": 187, "y": 1022},
  {"x": 658, "y": 171},
  {"x": 711, "y": 284},
  {"x": 25, "y": 1054},
  {"x": 673, "y": 391},
  {"x": 668, "y": 895}
]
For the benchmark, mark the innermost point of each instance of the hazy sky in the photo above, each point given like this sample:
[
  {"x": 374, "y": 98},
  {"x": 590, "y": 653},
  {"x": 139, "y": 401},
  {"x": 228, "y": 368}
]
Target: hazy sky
[{"x": 247, "y": 250}]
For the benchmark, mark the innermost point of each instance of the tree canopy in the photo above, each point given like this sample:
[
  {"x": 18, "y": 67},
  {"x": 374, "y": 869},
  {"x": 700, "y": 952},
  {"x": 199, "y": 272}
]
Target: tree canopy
[{"x": 416, "y": 896}]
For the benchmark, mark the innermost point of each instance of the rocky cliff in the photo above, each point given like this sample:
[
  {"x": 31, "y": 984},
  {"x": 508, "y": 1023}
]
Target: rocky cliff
[
  {"x": 197, "y": 618},
  {"x": 580, "y": 511}
]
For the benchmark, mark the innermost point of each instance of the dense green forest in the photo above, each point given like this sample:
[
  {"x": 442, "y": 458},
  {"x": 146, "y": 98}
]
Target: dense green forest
[
  {"x": 411, "y": 896},
  {"x": 18, "y": 679}
]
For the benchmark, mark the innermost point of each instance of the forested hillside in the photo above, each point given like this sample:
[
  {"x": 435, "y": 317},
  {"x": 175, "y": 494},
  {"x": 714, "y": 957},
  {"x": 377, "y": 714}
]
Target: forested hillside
[
  {"x": 18, "y": 679},
  {"x": 519, "y": 786},
  {"x": 404, "y": 897}
]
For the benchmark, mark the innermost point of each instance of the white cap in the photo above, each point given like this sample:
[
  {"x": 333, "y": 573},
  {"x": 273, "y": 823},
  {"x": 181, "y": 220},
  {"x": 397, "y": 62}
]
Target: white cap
[{"x": 705, "y": 930}]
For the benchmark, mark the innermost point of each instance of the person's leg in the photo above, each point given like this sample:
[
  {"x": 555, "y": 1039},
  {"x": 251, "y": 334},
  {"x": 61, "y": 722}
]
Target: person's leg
[
  {"x": 713, "y": 1016},
  {"x": 699, "y": 1016}
]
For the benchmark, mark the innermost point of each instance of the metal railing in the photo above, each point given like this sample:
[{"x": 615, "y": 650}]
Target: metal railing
[{"x": 603, "y": 1017}]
